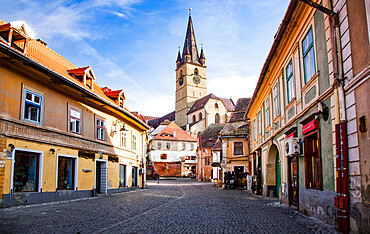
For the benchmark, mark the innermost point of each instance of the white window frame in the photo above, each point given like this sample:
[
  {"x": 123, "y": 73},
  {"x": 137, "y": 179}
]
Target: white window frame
[
  {"x": 75, "y": 119},
  {"x": 123, "y": 139},
  {"x": 41, "y": 167},
  {"x": 75, "y": 179},
  {"x": 159, "y": 145},
  {"x": 192, "y": 146},
  {"x": 32, "y": 102},
  {"x": 275, "y": 96},
  {"x": 290, "y": 81},
  {"x": 183, "y": 146},
  {"x": 259, "y": 122},
  {"x": 305, "y": 54},
  {"x": 267, "y": 111},
  {"x": 134, "y": 142},
  {"x": 100, "y": 129}
]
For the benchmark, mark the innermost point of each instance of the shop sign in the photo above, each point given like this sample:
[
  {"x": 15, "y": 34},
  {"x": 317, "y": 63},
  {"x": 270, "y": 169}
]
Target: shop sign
[{"x": 310, "y": 126}]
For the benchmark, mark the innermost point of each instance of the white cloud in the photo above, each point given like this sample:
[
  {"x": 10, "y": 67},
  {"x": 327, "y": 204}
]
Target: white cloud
[{"x": 232, "y": 86}]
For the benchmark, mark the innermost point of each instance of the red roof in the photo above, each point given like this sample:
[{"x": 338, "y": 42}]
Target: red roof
[{"x": 174, "y": 132}]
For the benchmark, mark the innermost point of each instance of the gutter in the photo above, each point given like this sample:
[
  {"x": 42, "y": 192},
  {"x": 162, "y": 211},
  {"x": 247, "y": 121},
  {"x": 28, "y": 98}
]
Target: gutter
[{"x": 14, "y": 53}]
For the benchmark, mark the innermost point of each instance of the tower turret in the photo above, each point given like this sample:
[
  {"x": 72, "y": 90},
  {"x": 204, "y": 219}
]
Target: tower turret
[{"x": 202, "y": 58}]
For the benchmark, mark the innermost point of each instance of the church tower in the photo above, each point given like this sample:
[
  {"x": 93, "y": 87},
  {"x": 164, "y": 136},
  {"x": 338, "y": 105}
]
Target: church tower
[{"x": 190, "y": 76}]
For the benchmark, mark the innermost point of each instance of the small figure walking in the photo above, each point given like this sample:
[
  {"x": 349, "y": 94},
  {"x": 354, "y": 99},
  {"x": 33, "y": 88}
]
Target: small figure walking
[{"x": 157, "y": 177}]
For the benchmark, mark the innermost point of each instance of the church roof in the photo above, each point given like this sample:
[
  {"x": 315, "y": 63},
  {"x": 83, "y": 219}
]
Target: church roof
[
  {"x": 200, "y": 103},
  {"x": 190, "y": 45}
]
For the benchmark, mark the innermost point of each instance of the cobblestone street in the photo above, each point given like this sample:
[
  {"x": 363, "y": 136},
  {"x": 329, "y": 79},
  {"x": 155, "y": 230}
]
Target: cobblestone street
[{"x": 172, "y": 206}]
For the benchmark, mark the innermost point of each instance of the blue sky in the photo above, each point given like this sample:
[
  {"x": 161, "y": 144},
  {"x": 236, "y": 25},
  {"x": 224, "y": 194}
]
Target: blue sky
[{"x": 133, "y": 44}]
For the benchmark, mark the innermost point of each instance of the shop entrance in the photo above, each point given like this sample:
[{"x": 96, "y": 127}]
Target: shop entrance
[
  {"x": 273, "y": 172},
  {"x": 293, "y": 181},
  {"x": 239, "y": 171},
  {"x": 101, "y": 177}
]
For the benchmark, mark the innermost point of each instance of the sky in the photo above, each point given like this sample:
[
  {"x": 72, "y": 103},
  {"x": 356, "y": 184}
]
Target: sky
[{"x": 133, "y": 44}]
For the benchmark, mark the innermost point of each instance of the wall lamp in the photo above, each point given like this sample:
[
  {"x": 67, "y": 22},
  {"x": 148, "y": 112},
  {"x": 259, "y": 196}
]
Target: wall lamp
[
  {"x": 115, "y": 126},
  {"x": 12, "y": 147},
  {"x": 101, "y": 156},
  {"x": 322, "y": 110},
  {"x": 52, "y": 151}
]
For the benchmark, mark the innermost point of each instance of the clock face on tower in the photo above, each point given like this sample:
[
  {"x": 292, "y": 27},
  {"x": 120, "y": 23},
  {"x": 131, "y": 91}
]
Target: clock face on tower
[
  {"x": 196, "y": 79},
  {"x": 181, "y": 81}
]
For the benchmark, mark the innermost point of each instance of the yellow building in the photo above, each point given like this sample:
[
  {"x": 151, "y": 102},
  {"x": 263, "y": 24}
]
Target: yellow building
[{"x": 62, "y": 136}]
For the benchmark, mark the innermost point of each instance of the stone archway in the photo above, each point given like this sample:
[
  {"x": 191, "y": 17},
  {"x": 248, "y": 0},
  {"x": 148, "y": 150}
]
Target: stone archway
[{"x": 273, "y": 171}]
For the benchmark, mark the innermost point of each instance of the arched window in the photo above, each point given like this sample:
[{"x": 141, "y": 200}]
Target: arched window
[
  {"x": 196, "y": 72},
  {"x": 200, "y": 116},
  {"x": 217, "y": 118},
  {"x": 194, "y": 118},
  {"x": 216, "y": 106},
  {"x": 180, "y": 73}
]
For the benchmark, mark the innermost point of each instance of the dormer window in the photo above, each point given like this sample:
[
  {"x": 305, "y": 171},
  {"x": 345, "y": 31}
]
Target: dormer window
[
  {"x": 85, "y": 75},
  {"x": 15, "y": 35}
]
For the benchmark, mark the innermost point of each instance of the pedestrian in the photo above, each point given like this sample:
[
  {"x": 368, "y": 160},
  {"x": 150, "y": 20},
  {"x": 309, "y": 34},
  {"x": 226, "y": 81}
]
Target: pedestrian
[{"x": 157, "y": 177}]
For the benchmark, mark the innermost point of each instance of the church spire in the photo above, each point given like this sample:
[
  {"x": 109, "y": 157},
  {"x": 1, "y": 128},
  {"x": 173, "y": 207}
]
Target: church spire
[{"x": 190, "y": 44}]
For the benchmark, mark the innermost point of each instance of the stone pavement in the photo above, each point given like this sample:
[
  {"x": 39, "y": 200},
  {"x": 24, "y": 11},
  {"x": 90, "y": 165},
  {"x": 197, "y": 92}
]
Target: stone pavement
[{"x": 172, "y": 206}]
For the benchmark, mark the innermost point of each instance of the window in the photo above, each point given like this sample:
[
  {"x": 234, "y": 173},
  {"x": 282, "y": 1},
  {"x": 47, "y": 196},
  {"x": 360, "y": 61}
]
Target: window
[
  {"x": 75, "y": 121},
  {"x": 134, "y": 178},
  {"x": 194, "y": 118},
  {"x": 254, "y": 130},
  {"x": 193, "y": 157},
  {"x": 267, "y": 112},
  {"x": 216, "y": 106},
  {"x": 168, "y": 146},
  {"x": 217, "y": 118},
  {"x": 123, "y": 139},
  {"x": 134, "y": 141},
  {"x": 26, "y": 171},
  {"x": 308, "y": 56},
  {"x": 238, "y": 148},
  {"x": 159, "y": 145},
  {"x": 275, "y": 95},
  {"x": 259, "y": 123},
  {"x": 66, "y": 173},
  {"x": 206, "y": 161},
  {"x": 313, "y": 171},
  {"x": 196, "y": 72},
  {"x": 122, "y": 175},
  {"x": 200, "y": 116},
  {"x": 32, "y": 107},
  {"x": 100, "y": 129},
  {"x": 191, "y": 146},
  {"x": 290, "y": 81},
  {"x": 163, "y": 156},
  {"x": 183, "y": 146}
]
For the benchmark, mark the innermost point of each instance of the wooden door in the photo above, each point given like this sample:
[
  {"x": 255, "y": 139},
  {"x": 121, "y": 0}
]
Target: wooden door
[{"x": 293, "y": 182}]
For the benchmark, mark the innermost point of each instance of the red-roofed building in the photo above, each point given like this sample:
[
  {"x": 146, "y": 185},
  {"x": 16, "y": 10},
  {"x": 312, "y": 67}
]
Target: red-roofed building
[
  {"x": 172, "y": 151},
  {"x": 65, "y": 137}
]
